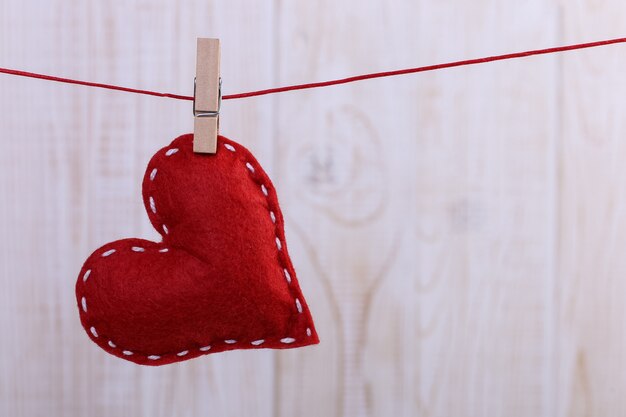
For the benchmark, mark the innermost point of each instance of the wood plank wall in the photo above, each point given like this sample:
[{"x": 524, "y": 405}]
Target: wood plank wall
[{"x": 459, "y": 235}]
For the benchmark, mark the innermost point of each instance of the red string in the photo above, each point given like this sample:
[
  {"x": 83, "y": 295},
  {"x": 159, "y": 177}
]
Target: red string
[
  {"x": 91, "y": 84},
  {"x": 330, "y": 82}
]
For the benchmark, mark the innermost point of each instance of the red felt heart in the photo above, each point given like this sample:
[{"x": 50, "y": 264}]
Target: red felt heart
[{"x": 221, "y": 278}]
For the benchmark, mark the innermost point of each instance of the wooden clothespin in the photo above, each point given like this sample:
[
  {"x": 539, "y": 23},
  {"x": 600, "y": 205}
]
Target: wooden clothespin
[{"x": 206, "y": 96}]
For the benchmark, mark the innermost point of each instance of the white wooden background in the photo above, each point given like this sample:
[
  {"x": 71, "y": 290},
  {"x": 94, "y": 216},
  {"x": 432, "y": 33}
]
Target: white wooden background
[{"x": 460, "y": 235}]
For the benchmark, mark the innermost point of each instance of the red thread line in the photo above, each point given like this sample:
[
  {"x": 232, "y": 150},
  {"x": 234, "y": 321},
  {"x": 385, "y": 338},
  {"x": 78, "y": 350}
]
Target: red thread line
[{"x": 330, "y": 82}]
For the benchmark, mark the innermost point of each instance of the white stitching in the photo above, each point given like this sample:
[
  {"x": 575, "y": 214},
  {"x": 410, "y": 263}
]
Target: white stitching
[
  {"x": 264, "y": 190},
  {"x": 152, "y": 204},
  {"x": 279, "y": 245}
]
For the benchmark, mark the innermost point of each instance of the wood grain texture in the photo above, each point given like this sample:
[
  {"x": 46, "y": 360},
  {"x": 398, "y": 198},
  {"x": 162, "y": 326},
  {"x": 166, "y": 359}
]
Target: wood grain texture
[
  {"x": 433, "y": 197},
  {"x": 592, "y": 313},
  {"x": 457, "y": 234}
]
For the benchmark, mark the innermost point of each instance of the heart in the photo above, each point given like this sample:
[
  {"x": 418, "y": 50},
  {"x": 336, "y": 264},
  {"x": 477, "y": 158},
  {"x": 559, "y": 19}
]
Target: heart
[{"x": 220, "y": 279}]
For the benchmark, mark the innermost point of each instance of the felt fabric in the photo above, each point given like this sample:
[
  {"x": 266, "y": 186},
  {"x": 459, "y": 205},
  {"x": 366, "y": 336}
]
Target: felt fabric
[{"x": 220, "y": 279}]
